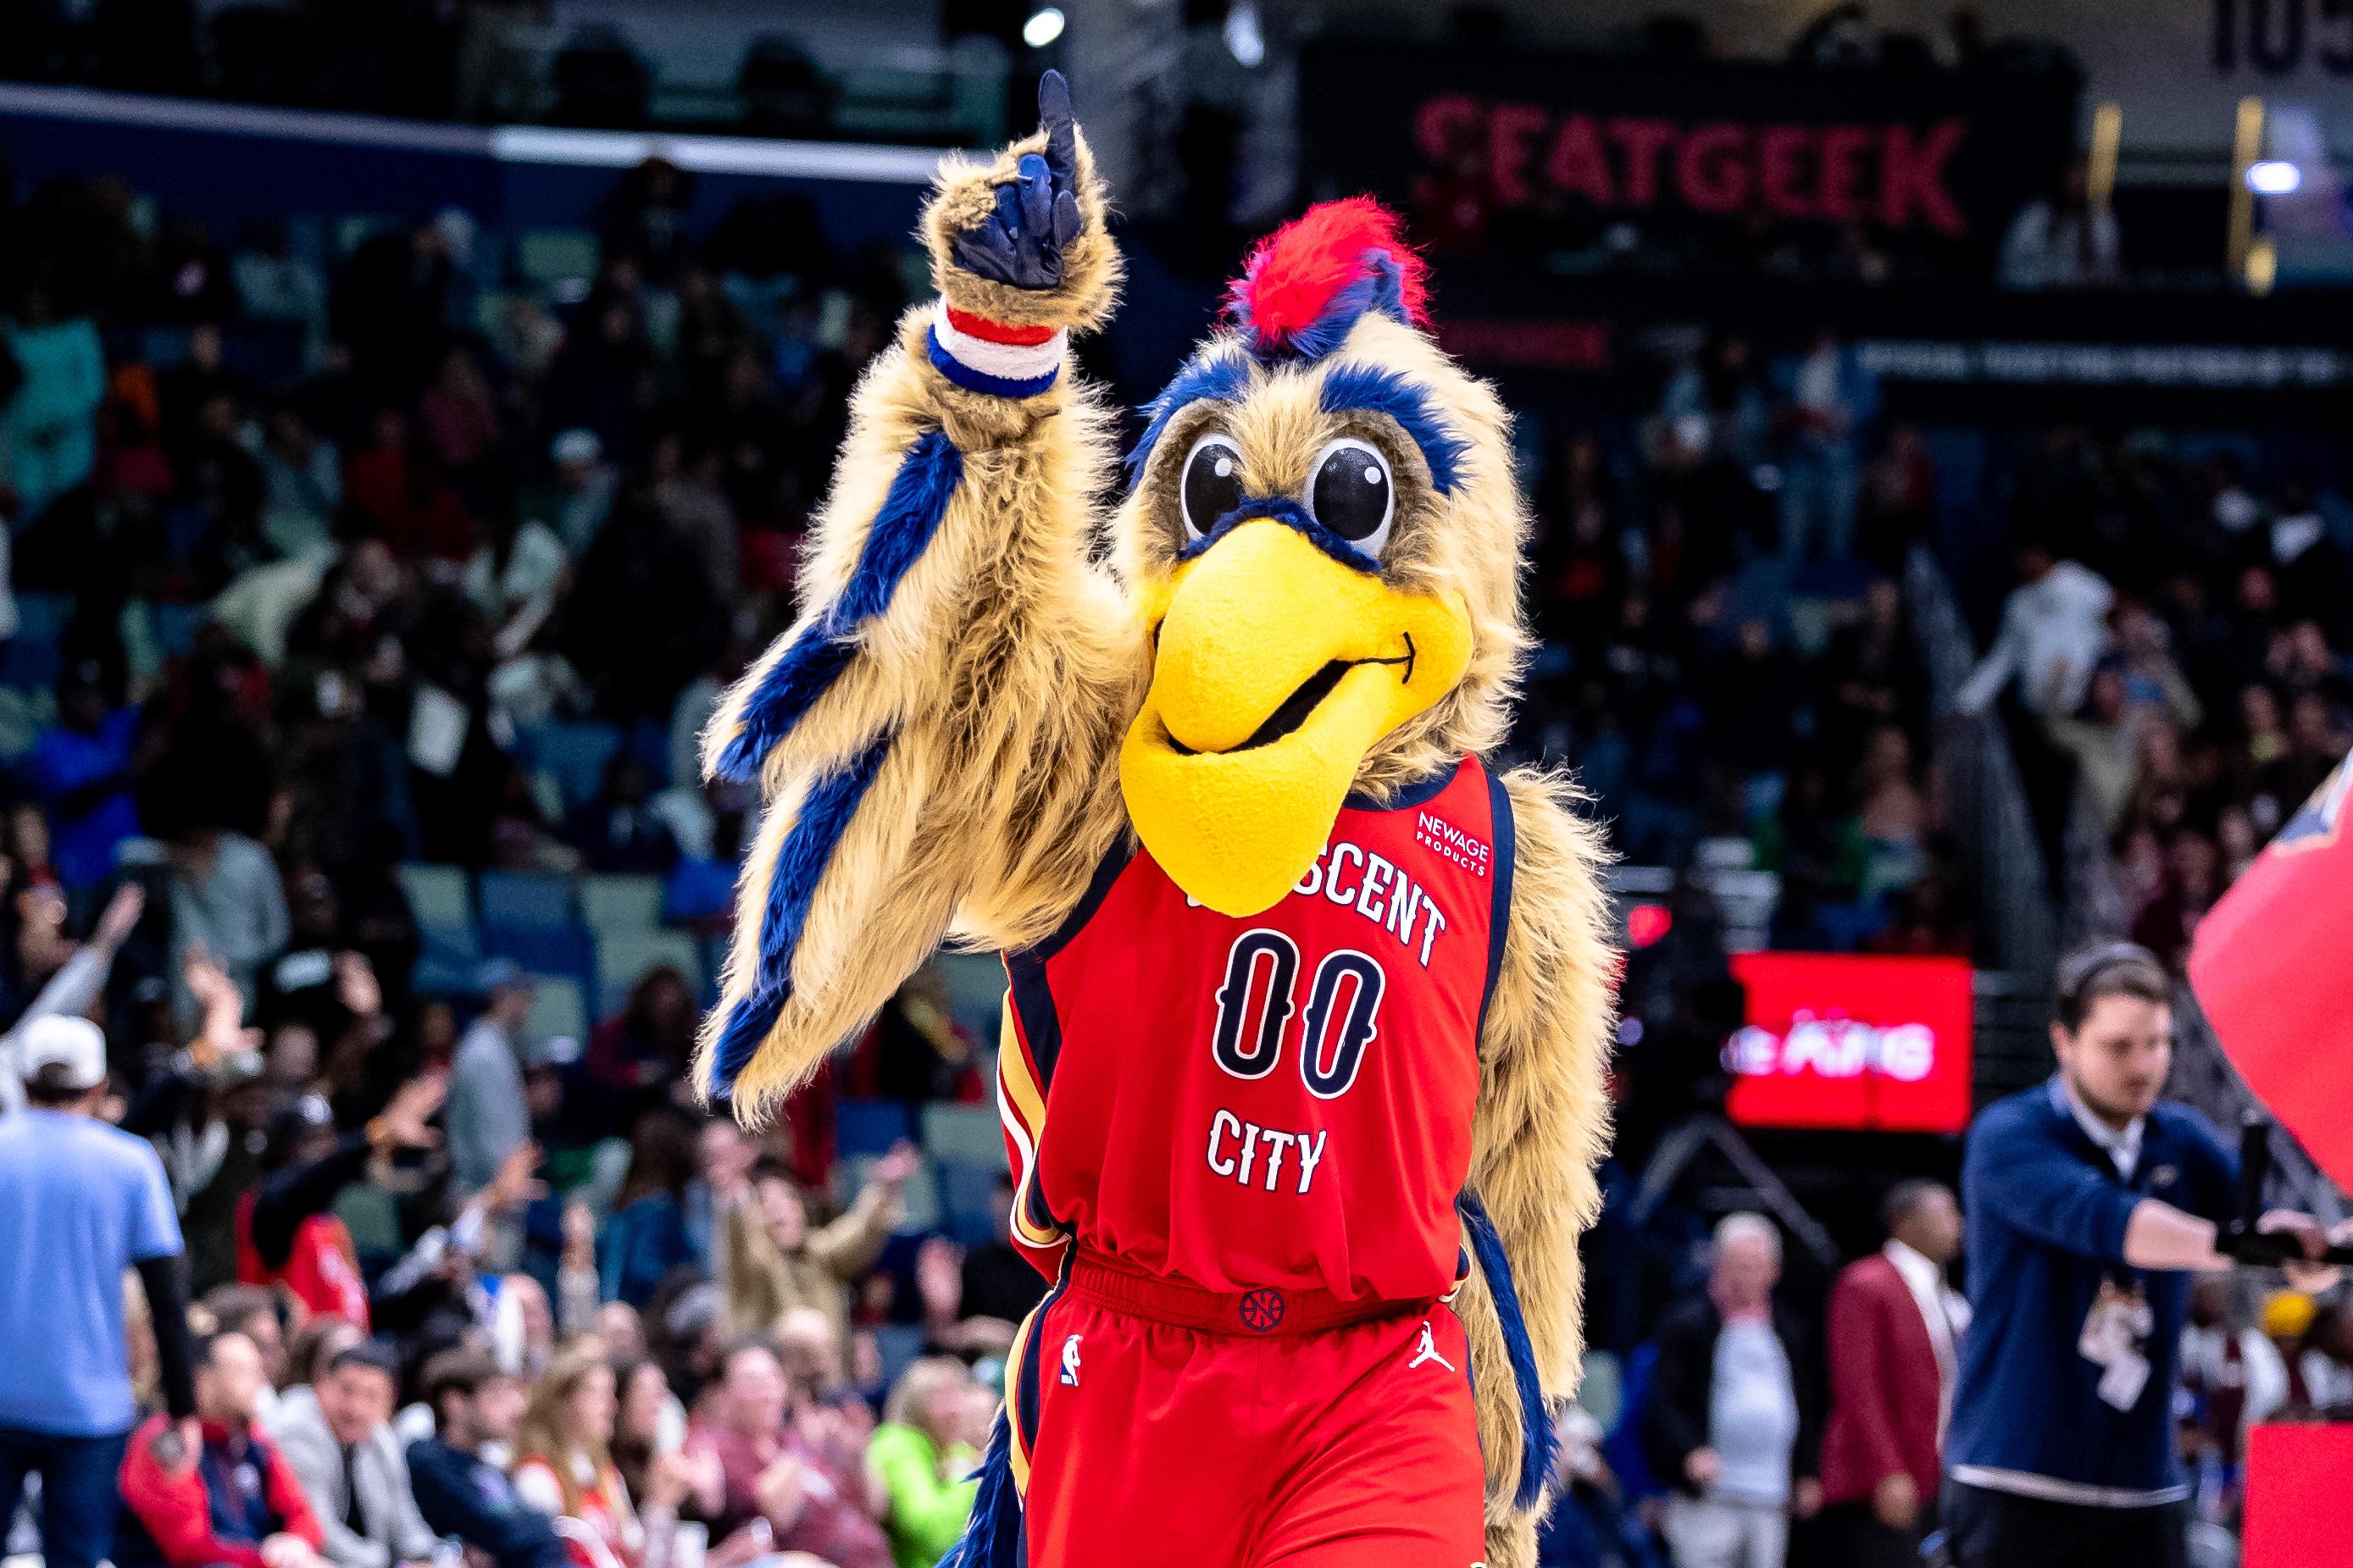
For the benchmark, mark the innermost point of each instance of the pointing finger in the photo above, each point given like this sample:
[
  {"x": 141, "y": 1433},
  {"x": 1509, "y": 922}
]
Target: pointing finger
[{"x": 1061, "y": 131}]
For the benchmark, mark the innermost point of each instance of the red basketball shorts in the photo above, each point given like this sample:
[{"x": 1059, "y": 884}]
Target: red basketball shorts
[{"x": 1160, "y": 1427}]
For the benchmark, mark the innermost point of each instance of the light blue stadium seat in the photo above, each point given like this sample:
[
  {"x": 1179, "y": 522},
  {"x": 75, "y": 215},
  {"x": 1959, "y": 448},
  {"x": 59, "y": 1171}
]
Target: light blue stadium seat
[
  {"x": 863, "y": 1128},
  {"x": 517, "y": 899},
  {"x": 969, "y": 1200},
  {"x": 544, "y": 949},
  {"x": 574, "y": 756},
  {"x": 35, "y": 657}
]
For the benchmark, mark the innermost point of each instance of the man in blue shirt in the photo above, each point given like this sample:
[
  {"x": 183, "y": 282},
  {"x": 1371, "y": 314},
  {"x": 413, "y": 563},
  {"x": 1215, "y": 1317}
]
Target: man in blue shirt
[
  {"x": 81, "y": 1202},
  {"x": 2090, "y": 1203}
]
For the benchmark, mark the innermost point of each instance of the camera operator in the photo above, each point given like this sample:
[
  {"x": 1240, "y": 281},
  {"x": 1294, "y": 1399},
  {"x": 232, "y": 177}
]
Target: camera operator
[{"x": 2091, "y": 1205}]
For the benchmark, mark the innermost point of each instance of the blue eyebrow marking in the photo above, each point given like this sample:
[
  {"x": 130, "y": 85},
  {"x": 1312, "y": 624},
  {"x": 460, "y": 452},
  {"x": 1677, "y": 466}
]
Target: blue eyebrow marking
[
  {"x": 1225, "y": 377},
  {"x": 1291, "y": 515},
  {"x": 1359, "y": 386}
]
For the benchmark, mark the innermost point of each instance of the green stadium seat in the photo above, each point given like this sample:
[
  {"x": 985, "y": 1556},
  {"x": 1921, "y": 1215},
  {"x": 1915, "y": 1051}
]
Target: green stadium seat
[
  {"x": 618, "y": 903},
  {"x": 971, "y": 1133},
  {"x": 437, "y": 896},
  {"x": 623, "y": 959}
]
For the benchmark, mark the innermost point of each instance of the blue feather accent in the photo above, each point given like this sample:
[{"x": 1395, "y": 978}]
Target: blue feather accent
[
  {"x": 1330, "y": 328},
  {"x": 748, "y": 1022},
  {"x": 807, "y": 851},
  {"x": 802, "y": 674},
  {"x": 1388, "y": 285},
  {"x": 1538, "y": 1447},
  {"x": 824, "y": 818},
  {"x": 1224, "y": 377},
  {"x": 992, "y": 1538},
  {"x": 910, "y": 513},
  {"x": 1368, "y": 387},
  {"x": 1291, "y": 515}
]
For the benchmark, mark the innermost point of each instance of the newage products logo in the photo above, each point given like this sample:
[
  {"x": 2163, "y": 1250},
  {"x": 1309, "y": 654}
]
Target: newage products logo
[
  {"x": 1435, "y": 831},
  {"x": 1833, "y": 1047}
]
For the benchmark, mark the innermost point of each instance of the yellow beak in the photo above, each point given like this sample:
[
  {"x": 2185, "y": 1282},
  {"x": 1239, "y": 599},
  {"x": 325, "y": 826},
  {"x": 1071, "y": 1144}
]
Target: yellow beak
[{"x": 1277, "y": 668}]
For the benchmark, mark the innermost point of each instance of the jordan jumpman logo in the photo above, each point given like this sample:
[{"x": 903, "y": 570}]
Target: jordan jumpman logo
[{"x": 1429, "y": 1351}]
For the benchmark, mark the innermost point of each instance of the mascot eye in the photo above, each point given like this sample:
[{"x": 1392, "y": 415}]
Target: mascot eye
[
  {"x": 1213, "y": 483},
  {"x": 1348, "y": 491}
]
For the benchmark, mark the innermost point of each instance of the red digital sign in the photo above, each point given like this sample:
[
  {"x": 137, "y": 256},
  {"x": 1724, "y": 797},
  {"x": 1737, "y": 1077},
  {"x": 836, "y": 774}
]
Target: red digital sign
[{"x": 1852, "y": 1043}]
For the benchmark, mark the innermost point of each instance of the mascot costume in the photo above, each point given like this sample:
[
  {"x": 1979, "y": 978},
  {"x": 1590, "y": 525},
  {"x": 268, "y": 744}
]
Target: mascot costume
[{"x": 1301, "y": 1074}]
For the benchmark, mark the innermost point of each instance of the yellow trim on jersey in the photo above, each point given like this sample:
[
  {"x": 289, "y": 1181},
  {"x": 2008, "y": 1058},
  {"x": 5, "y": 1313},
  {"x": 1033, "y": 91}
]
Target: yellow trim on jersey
[
  {"x": 1023, "y": 1110},
  {"x": 1017, "y": 1451}
]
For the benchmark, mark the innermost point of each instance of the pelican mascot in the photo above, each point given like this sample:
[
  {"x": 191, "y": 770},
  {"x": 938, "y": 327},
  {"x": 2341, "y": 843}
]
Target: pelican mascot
[{"x": 1301, "y": 1069}]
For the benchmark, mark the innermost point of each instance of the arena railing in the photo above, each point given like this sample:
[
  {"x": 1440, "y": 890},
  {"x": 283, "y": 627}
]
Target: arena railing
[{"x": 1986, "y": 800}]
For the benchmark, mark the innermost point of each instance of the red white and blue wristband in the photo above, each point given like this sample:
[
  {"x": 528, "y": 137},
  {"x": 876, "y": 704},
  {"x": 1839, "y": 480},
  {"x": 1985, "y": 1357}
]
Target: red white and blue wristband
[{"x": 981, "y": 355}]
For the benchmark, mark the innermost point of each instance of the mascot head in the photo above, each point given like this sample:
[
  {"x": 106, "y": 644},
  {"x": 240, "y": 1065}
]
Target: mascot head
[{"x": 1324, "y": 534}]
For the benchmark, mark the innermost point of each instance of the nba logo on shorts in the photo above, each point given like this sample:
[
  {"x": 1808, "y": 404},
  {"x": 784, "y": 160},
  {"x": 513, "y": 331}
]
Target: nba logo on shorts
[{"x": 1071, "y": 1361}]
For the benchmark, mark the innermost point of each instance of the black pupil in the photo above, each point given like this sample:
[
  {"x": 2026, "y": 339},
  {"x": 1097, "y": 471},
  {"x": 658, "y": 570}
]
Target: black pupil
[
  {"x": 1213, "y": 485},
  {"x": 1352, "y": 493}
]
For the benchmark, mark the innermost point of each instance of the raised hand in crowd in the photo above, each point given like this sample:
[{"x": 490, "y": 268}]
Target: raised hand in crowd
[
  {"x": 121, "y": 916},
  {"x": 782, "y": 1490},
  {"x": 356, "y": 986},
  {"x": 895, "y": 1169},
  {"x": 670, "y": 1479},
  {"x": 517, "y": 1182},
  {"x": 403, "y": 1122},
  {"x": 221, "y": 1032}
]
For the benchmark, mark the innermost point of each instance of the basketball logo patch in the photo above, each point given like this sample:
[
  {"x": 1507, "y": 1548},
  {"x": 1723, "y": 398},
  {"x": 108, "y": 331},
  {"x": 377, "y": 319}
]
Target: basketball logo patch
[{"x": 1262, "y": 1310}]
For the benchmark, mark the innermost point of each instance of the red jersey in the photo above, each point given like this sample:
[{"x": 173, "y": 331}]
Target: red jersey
[{"x": 1283, "y": 1100}]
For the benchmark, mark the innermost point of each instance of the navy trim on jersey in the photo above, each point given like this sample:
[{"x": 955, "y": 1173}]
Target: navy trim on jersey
[
  {"x": 1499, "y": 918},
  {"x": 1033, "y": 1000},
  {"x": 1421, "y": 792},
  {"x": 1033, "y": 996},
  {"x": 1028, "y": 1398},
  {"x": 1107, "y": 871}
]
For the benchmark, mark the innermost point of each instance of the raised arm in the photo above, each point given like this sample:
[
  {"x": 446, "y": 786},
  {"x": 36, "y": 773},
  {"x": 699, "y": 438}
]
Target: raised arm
[
  {"x": 936, "y": 736},
  {"x": 1543, "y": 1119}
]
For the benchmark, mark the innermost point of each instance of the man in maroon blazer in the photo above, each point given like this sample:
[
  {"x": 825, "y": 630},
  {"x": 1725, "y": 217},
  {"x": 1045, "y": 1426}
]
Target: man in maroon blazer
[{"x": 1894, "y": 1332}]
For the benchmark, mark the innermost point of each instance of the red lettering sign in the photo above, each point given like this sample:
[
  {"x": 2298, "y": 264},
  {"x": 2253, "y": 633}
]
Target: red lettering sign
[{"x": 1894, "y": 174}]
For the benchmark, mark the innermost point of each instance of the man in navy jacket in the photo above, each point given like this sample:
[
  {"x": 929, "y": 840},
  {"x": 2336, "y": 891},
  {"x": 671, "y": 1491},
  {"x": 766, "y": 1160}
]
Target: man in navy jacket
[
  {"x": 2090, "y": 1204},
  {"x": 459, "y": 1491}
]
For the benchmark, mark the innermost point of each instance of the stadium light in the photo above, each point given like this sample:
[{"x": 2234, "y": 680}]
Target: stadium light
[
  {"x": 1244, "y": 40},
  {"x": 2273, "y": 177},
  {"x": 1044, "y": 26}
]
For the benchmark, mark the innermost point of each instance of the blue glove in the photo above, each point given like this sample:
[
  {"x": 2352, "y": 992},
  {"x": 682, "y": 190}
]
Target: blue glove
[{"x": 1021, "y": 244}]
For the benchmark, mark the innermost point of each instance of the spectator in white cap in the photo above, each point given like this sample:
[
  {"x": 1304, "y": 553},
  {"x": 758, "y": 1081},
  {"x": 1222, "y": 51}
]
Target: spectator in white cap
[
  {"x": 81, "y": 1202},
  {"x": 585, "y": 483}
]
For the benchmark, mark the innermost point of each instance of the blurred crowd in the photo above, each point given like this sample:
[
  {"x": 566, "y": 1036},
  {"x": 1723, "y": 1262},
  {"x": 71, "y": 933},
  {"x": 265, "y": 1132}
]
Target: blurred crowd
[
  {"x": 2176, "y": 664},
  {"x": 328, "y": 558},
  {"x": 1728, "y": 659}
]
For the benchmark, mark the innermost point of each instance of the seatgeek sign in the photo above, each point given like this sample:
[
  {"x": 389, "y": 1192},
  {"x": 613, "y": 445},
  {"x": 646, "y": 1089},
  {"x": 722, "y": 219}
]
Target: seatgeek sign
[
  {"x": 1842, "y": 1042},
  {"x": 1509, "y": 154}
]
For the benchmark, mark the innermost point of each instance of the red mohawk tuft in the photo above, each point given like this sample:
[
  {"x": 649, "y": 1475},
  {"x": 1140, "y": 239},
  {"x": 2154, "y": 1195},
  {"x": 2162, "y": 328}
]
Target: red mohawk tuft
[{"x": 1305, "y": 283}]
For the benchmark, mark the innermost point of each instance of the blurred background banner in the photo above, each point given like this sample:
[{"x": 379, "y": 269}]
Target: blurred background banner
[{"x": 1528, "y": 152}]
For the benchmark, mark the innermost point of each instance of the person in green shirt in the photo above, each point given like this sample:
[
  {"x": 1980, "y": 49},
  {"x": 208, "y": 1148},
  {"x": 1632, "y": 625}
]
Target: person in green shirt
[{"x": 924, "y": 1452}]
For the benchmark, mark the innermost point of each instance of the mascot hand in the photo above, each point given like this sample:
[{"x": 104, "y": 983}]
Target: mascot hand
[{"x": 1021, "y": 240}]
